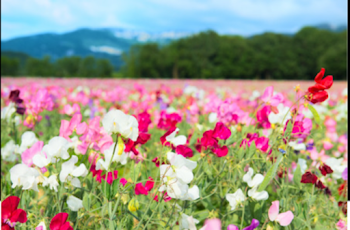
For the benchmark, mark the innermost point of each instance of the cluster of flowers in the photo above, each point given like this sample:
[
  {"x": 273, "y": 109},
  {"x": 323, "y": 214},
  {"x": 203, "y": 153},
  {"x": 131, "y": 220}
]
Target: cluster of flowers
[{"x": 135, "y": 152}]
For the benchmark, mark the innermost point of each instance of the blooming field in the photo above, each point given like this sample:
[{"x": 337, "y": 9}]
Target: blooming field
[{"x": 161, "y": 157}]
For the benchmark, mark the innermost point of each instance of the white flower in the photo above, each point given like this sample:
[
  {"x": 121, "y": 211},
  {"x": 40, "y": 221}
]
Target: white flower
[
  {"x": 41, "y": 226},
  {"x": 170, "y": 110},
  {"x": 41, "y": 160},
  {"x": 278, "y": 118},
  {"x": 69, "y": 170},
  {"x": 52, "y": 181},
  {"x": 179, "y": 140},
  {"x": 74, "y": 144},
  {"x": 254, "y": 95},
  {"x": 303, "y": 165},
  {"x": 213, "y": 117},
  {"x": 27, "y": 177},
  {"x": 254, "y": 183},
  {"x": 28, "y": 139},
  {"x": 118, "y": 156},
  {"x": 57, "y": 148},
  {"x": 344, "y": 92},
  {"x": 176, "y": 176},
  {"x": 297, "y": 146},
  {"x": 74, "y": 203},
  {"x": 8, "y": 152},
  {"x": 188, "y": 222},
  {"x": 235, "y": 198},
  {"x": 336, "y": 166},
  {"x": 7, "y": 111},
  {"x": 115, "y": 121}
]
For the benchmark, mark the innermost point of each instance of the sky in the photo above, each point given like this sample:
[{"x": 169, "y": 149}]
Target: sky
[{"x": 241, "y": 17}]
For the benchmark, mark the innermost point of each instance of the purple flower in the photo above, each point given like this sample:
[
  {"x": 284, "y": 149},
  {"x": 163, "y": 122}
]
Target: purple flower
[
  {"x": 255, "y": 223},
  {"x": 345, "y": 174}
]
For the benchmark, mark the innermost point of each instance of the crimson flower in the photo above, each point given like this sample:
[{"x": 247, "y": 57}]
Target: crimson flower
[
  {"x": 317, "y": 93},
  {"x": 210, "y": 140},
  {"x": 308, "y": 177},
  {"x": 325, "y": 169},
  {"x": 59, "y": 222},
  {"x": 10, "y": 215}
]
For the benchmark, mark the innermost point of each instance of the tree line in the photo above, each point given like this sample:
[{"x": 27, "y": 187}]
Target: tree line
[
  {"x": 73, "y": 66},
  {"x": 207, "y": 55},
  {"x": 265, "y": 56}
]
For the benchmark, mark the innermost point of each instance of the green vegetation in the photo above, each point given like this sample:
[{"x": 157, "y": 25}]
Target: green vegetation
[
  {"x": 73, "y": 66},
  {"x": 205, "y": 55},
  {"x": 265, "y": 56}
]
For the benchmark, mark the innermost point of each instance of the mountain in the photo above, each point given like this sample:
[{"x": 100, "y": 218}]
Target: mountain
[
  {"x": 107, "y": 43},
  {"x": 100, "y": 43}
]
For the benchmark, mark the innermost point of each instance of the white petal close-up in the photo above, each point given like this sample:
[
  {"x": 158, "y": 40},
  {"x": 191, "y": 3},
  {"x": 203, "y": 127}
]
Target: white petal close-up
[
  {"x": 74, "y": 203},
  {"x": 116, "y": 121},
  {"x": 337, "y": 166},
  {"x": 25, "y": 176},
  {"x": 27, "y": 140},
  {"x": 235, "y": 198},
  {"x": 8, "y": 152},
  {"x": 179, "y": 140}
]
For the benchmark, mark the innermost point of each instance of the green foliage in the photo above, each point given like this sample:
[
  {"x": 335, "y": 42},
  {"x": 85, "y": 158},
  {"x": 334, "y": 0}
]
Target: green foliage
[{"x": 266, "y": 56}]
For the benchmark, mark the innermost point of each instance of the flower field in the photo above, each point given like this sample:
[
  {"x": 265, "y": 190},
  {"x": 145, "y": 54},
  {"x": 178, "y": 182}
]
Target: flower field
[{"x": 172, "y": 154}]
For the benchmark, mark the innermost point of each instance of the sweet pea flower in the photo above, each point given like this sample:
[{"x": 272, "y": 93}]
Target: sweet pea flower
[
  {"x": 28, "y": 154},
  {"x": 115, "y": 121},
  {"x": 271, "y": 98},
  {"x": 212, "y": 224},
  {"x": 297, "y": 146},
  {"x": 59, "y": 222},
  {"x": 345, "y": 174},
  {"x": 341, "y": 225},
  {"x": 28, "y": 139},
  {"x": 188, "y": 222},
  {"x": 10, "y": 214},
  {"x": 254, "y": 183},
  {"x": 284, "y": 219},
  {"x": 74, "y": 203},
  {"x": 282, "y": 116},
  {"x": 8, "y": 152},
  {"x": 56, "y": 148},
  {"x": 255, "y": 223},
  {"x": 22, "y": 175},
  {"x": 51, "y": 181},
  {"x": 41, "y": 226},
  {"x": 70, "y": 172},
  {"x": 235, "y": 198},
  {"x": 171, "y": 139},
  {"x": 336, "y": 166},
  {"x": 118, "y": 156}
]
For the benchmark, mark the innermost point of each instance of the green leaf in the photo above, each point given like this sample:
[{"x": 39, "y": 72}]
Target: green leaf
[
  {"x": 86, "y": 201},
  {"x": 314, "y": 113},
  {"x": 252, "y": 150},
  {"x": 115, "y": 187},
  {"x": 106, "y": 189},
  {"x": 241, "y": 152},
  {"x": 289, "y": 129},
  {"x": 270, "y": 174},
  {"x": 297, "y": 176}
]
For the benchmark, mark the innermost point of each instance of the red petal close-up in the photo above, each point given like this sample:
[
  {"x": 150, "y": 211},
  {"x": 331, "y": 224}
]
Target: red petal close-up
[
  {"x": 308, "y": 177},
  {"x": 59, "y": 221}
]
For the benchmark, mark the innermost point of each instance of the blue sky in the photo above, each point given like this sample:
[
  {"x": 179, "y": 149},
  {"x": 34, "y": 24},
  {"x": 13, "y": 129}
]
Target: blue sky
[{"x": 243, "y": 17}]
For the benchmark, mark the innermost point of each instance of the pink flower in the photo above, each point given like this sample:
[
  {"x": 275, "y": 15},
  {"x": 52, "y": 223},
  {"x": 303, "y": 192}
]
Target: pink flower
[
  {"x": 28, "y": 154},
  {"x": 221, "y": 131},
  {"x": 271, "y": 99},
  {"x": 284, "y": 219},
  {"x": 341, "y": 225},
  {"x": 262, "y": 117},
  {"x": 212, "y": 224}
]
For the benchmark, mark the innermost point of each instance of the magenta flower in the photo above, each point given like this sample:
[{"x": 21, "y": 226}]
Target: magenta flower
[
  {"x": 59, "y": 222},
  {"x": 262, "y": 117},
  {"x": 28, "y": 154},
  {"x": 140, "y": 189}
]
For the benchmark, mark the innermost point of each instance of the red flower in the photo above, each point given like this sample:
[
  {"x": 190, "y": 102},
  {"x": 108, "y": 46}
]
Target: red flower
[
  {"x": 10, "y": 215},
  {"x": 344, "y": 206},
  {"x": 308, "y": 177},
  {"x": 342, "y": 189},
  {"x": 325, "y": 169},
  {"x": 111, "y": 177},
  {"x": 320, "y": 185},
  {"x": 317, "y": 92},
  {"x": 59, "y": 222}
]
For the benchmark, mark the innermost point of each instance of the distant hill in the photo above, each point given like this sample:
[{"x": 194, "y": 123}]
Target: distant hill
[
  {"x": 107, "y": 43},
  {"x": 22, "y": 57}
]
